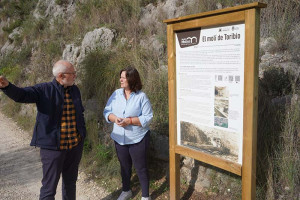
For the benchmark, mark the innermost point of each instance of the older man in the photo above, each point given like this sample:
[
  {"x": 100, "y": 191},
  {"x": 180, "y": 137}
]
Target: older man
[{"x": 59, "y": 129}]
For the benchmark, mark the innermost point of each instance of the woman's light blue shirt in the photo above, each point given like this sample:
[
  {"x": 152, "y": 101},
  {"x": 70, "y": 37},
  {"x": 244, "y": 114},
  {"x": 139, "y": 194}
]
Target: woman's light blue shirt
[{"x": 138, "y": 105}]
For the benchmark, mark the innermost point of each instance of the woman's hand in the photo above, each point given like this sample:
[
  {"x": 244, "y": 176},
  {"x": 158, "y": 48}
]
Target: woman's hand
[{"x": 122, "y": 121}]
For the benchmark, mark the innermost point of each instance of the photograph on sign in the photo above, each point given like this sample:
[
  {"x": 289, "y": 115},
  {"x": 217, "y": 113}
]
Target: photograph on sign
[{"x": 210, "y": 90}]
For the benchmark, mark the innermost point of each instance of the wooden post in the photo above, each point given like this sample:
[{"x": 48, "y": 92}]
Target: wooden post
[
  {"x": 250, "y": 104},
  {"x": 174, "y": 158}
]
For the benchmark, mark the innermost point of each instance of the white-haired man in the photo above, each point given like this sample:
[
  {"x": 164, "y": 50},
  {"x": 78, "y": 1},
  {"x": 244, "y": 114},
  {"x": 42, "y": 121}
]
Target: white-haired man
[{"x": 59, "y": 129}]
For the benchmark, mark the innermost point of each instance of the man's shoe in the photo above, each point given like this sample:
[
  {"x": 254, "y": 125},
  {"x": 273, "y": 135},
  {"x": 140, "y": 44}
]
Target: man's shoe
[
  {"x": 146, "y": 198},
  {"x": 125, "y": 195}
]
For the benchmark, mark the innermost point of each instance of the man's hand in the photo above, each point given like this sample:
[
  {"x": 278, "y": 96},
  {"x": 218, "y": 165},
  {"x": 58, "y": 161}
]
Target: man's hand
[{"x": 3, "y": 82}]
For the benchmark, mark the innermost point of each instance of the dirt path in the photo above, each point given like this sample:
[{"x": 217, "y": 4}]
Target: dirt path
[{"x": 20, "y": 168}]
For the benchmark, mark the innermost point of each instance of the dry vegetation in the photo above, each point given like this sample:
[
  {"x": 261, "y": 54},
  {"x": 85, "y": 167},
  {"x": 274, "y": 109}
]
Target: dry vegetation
[{"x": 41, "y": 44}]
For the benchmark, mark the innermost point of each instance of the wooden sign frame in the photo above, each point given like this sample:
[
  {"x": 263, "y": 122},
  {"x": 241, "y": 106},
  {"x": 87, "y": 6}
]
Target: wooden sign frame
[{"x": 248, "y": 14}]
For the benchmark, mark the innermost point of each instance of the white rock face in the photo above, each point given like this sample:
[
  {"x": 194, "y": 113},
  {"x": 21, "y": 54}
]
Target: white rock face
[
  {"x": 53, "y": 10},
  {"x": 98, "y": 38},
  {"x": 3, "y": 24},
  {"x": 268, "y": 45},
  {"x": 152, "y": 19},
  {"x": 153, "y": 16},
  {"x": 101, "y": 37},
  {"x": 71, "y": 53},
  {"x": 15, "y": 33},
  {"x": 9, "y": 46},
  {"x": 153, "y": 43}
]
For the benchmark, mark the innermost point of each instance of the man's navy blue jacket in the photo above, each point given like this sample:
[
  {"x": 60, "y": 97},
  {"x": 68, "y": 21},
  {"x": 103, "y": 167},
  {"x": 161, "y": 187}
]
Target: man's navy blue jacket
[{"x": 49, "y": 99}]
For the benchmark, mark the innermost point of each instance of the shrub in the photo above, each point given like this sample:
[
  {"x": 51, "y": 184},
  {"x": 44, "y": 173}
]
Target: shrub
[
  {"x": 278, "y": 170},
  {"x": 33, "y": 28},
  {"x": 104, "y": 153},
  {"x": 9, "y": 28},
  {"x": 276, "y": 82},
  {"x": 61, "y": 2},
  {"x": 98, "y": 77},
  {"x": 12, "y": 64},
  {"x": 278, "y": 19},
  {"x": 270, "y": 118},
  {"x": 17, "y": 10},
  {"x": 12, "y": 73},
  {"x": 287, "y": 157}
]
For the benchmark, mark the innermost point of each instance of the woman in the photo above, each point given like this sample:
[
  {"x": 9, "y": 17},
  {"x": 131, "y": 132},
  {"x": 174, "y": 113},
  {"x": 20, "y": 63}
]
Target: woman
[{"x": 130, "y": 110}]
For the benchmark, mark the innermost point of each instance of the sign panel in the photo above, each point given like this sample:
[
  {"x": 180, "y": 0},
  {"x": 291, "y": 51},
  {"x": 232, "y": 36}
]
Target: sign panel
[{"x": 210, "y": 90}]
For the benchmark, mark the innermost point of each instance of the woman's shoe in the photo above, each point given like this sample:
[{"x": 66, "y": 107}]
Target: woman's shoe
[
  {"x": 125, "y": 195},
  {"x": 146, "y": 198}
]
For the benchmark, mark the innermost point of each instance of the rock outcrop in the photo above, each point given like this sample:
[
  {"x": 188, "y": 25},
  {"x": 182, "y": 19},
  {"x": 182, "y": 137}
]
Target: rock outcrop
[{"x": 101, "y": 38}]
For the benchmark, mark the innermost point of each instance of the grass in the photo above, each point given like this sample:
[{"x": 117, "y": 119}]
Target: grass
[
  {"x": 284, "y": 14},
  {"x": 282, "y": 177},
  {"x": 288, "y": 155},
  {"x": 17, "y": 11},
  {"x": 278, "y": 138}
]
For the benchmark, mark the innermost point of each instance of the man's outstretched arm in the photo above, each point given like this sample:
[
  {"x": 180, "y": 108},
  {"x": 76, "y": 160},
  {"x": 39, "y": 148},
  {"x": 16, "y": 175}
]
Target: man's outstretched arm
[{"x": 21, "y": 95}]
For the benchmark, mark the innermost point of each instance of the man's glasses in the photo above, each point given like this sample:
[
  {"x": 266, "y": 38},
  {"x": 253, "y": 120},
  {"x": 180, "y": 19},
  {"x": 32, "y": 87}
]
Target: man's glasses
[{"x": 73, "y": 73}]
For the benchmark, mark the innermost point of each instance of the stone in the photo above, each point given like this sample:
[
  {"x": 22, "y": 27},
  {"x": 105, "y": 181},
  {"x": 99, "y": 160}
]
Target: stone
[
  {"x": 154, "y": 44},
  {"x": 153, "y": 15},
  {"x": 219, "y": 5},
  {"x": 71, "y": 53},
  {"x": 7, "y": 48},
  {"x": 101, "y": 38},
  {"x": 268, "y": 45},
  {"x": 15, "y": 33},
  {"x": 53, "y": 10},
  {"x": 124, "y": 41}
]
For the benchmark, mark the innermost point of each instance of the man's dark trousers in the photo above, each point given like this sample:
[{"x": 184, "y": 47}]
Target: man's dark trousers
[{"x": 63, "y": 162}]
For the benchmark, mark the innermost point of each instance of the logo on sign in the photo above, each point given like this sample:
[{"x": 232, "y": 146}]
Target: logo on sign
[{"x": 188, "y": 38}]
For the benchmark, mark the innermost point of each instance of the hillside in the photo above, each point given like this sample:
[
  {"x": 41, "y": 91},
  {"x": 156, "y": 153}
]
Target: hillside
[{"x": 102, "y": 37}]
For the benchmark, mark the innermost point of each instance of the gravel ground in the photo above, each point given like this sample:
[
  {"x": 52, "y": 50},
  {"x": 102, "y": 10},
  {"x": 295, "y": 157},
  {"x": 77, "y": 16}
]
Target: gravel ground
[{"x": 21, "y": 171}]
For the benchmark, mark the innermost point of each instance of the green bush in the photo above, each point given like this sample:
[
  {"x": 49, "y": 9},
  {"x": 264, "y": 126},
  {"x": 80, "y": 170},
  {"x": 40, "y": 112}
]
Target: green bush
[
  {"x": 17, "y": 10},
  {"x": 61, "y": 2},
  {"x": 287, "y": 157},
  {"x": 121, "y": 15},
  {"x": 270, "y": 118},
  {"x": 33, "y": 28},
  {"x": 12, "y": 73},
  {"x": 104, "y": 153},
  {"x": 12, "y": 65},
  {"x": 278, "y": 154},
  {"x": 277, "y": 82},
  {"x": 12, "y": 26},
  {"x": 97, "y": 81},
  {"x": 146, "y": 2}
]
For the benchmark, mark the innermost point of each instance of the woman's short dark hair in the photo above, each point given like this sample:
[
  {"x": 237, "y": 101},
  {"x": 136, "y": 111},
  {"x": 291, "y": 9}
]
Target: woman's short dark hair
[{"x": 133, "y": 78}]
